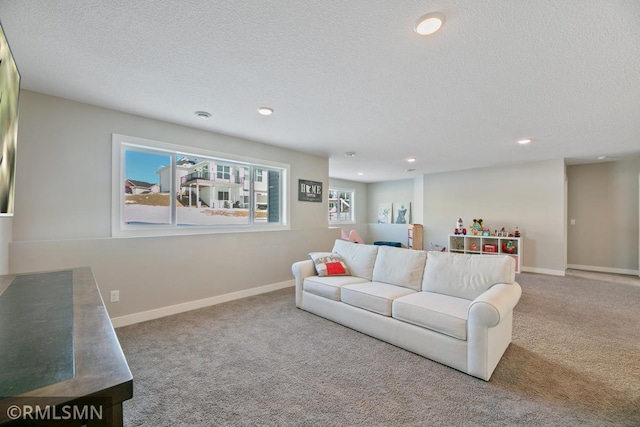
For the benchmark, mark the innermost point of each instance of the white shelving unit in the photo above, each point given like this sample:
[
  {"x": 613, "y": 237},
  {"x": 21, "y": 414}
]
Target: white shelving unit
[{"x": 487, "y": 245}]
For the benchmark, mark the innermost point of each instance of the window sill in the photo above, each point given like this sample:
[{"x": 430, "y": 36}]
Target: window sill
[{"x": 189, "y": 231}]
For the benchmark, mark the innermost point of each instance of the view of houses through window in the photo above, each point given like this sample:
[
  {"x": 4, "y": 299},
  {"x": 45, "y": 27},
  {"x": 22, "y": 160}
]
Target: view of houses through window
[
  {"x": 341, "y": 205},
  {"x": 171, "y": 188}
]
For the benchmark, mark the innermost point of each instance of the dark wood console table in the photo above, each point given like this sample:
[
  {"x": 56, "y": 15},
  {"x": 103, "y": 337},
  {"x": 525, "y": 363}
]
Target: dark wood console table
[{"x": 59, "y": 354}]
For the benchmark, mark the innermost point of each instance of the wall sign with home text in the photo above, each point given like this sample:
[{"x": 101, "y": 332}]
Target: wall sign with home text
[{"x": 309, "y": 191}]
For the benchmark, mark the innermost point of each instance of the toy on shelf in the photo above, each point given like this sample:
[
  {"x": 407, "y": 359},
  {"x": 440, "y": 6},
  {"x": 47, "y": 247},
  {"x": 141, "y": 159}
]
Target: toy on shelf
[
  {"x": 459, "y": 228},
  {"x": 457, "y": 243},
  {"x": 509, "y": 247},
  {"x": 516, "y": 233},
  {"x": 478, "y": 229}
]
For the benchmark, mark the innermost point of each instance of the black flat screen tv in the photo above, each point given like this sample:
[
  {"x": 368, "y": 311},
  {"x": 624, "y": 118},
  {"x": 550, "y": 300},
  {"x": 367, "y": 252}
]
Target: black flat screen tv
[{"x": 9, "y": 95}]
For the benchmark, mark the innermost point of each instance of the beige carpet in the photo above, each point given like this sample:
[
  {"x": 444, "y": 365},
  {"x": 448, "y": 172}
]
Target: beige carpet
[{"x": 574, "y": 361}]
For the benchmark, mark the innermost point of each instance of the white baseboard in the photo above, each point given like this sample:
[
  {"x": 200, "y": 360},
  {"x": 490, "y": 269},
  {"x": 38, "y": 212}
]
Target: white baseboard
[
  {"x": 543, "y": 271},
  {"x": 604, "y": 269},
  {"x": 143, "y": 316}
]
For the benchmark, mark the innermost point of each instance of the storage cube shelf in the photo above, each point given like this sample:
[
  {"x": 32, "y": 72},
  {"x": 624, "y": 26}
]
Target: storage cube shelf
[
  {"x": 487, "y": 245},
  {"x": 414, "y": 236}
]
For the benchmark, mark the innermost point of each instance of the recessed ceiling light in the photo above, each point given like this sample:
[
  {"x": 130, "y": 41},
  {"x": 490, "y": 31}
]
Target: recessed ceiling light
[
  {"x": 524, "y": 141},
  {"x": 350, "y": 154},
  {"x": 602, "y": 157},
  {"x": 411, "y": 159},
  {"x": 360, "y": 173},
  {"x": 265, "y": 111},
  {"x": 429, "y": 23},
  {"x": 202, "y": 114}
]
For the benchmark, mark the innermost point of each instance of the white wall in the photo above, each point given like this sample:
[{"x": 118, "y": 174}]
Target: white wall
[
  {"x": 6, "y": 226},
  {"x": 63, "y": 212},
  {"x": 389, "y": 192},
  {"x": 529, "y": 196},
  {"x": 361, "y": 213},
  {"x": 603, "y": 201}
]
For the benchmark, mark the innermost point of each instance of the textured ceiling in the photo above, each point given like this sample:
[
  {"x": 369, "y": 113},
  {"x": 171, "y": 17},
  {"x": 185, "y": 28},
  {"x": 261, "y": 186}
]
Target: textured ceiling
[{"x": 352, "y": 75}]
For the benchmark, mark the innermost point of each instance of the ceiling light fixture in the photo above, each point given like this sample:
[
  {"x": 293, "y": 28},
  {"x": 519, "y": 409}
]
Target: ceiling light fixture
[
  {"x": 411, "y": 159},
  {"x": 524, "y": 141},
  {"x": 429, "y": 23},
  {"x": 350, "y": 154},
  {"x": 360, "y": 173},
  {"x": 202, "y": 114},
  {"x": 602, "y": 157},
  {"x": 265, "y": 111}
]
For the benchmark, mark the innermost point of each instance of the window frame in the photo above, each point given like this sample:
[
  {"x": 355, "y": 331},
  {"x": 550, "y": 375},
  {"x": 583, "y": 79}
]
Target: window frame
[
  {"x": 352, "y": 210},
  {"x": 119, "y": 228}
]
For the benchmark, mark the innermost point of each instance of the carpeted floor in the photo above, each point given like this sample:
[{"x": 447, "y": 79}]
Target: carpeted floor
[{"x": 574, "y": 361}]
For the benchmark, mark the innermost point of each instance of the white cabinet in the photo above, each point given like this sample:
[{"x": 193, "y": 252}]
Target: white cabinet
[{"x": 487, "y": 245}]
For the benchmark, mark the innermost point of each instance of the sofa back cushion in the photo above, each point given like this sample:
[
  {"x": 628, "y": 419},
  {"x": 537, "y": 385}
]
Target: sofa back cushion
[
  {"x": 359, "y": 258},
  {"x": 466, "y": 276},
  {"x": 400, "y": 267}
]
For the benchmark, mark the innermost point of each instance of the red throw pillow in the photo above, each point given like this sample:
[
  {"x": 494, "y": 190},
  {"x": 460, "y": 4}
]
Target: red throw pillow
[{"x": 335, "y": 269}]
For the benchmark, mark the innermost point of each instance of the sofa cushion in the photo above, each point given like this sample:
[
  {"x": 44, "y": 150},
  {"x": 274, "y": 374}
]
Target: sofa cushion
[
  {"x": 466, "y": 276},
  {"x": 440, "y": 313},
  {"x": 401, "y": 267},
  {"x": 329, "y": 264},
  {"x": 329, "y": 287},
  {"x": 373, "y": 296},
  {"x": 359, "y": 258}
]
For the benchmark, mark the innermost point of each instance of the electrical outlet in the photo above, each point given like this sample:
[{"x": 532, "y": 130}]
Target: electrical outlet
[
  {"x": 115, "y": 296},
  {"x": 572, "y": 222}
]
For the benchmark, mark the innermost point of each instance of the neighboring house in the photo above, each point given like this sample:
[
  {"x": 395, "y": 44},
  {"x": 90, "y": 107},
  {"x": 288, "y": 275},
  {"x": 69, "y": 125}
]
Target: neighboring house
[
  {"x": 132, "y": 186},
  {"x": 217, "y": 184}
]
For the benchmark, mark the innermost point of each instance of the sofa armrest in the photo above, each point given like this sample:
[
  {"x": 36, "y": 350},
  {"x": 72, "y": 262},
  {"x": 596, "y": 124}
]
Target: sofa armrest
[
  {"x": 301, "y": 270},
  {"x": 495, "y": 304}
]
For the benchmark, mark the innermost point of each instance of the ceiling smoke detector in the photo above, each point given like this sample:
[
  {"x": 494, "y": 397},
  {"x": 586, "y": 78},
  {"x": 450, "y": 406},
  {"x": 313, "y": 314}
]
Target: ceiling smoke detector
[{"x": 202, "y": 114}]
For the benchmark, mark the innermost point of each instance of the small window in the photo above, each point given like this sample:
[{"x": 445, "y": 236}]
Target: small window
[
  {"x": 224, "y": 172},
  {"x": 341, "y": 206}
]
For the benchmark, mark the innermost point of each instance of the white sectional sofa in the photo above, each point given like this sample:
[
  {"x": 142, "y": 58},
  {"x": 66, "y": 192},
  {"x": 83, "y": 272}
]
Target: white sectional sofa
[{"x": 455, "y": 309}]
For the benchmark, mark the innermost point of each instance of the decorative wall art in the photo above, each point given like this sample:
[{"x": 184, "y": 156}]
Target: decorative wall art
[
  {"x": 384, "y": 213},
  {"x": 309, "y": 191},
  {"x": 9, "y": 94},
  {"x": 402, "y": 213}
]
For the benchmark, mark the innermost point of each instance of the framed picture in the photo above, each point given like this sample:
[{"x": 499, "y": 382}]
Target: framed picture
[
  {"x": 309, "y": 191},
  {"x": 9, "y": 93},
  {"x": 384, "y": 213},
  {"x": 402, "y": 213}
]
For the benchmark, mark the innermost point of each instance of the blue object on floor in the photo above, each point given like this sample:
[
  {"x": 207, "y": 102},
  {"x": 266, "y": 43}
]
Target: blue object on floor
[{"x": 394, "y": 244}]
